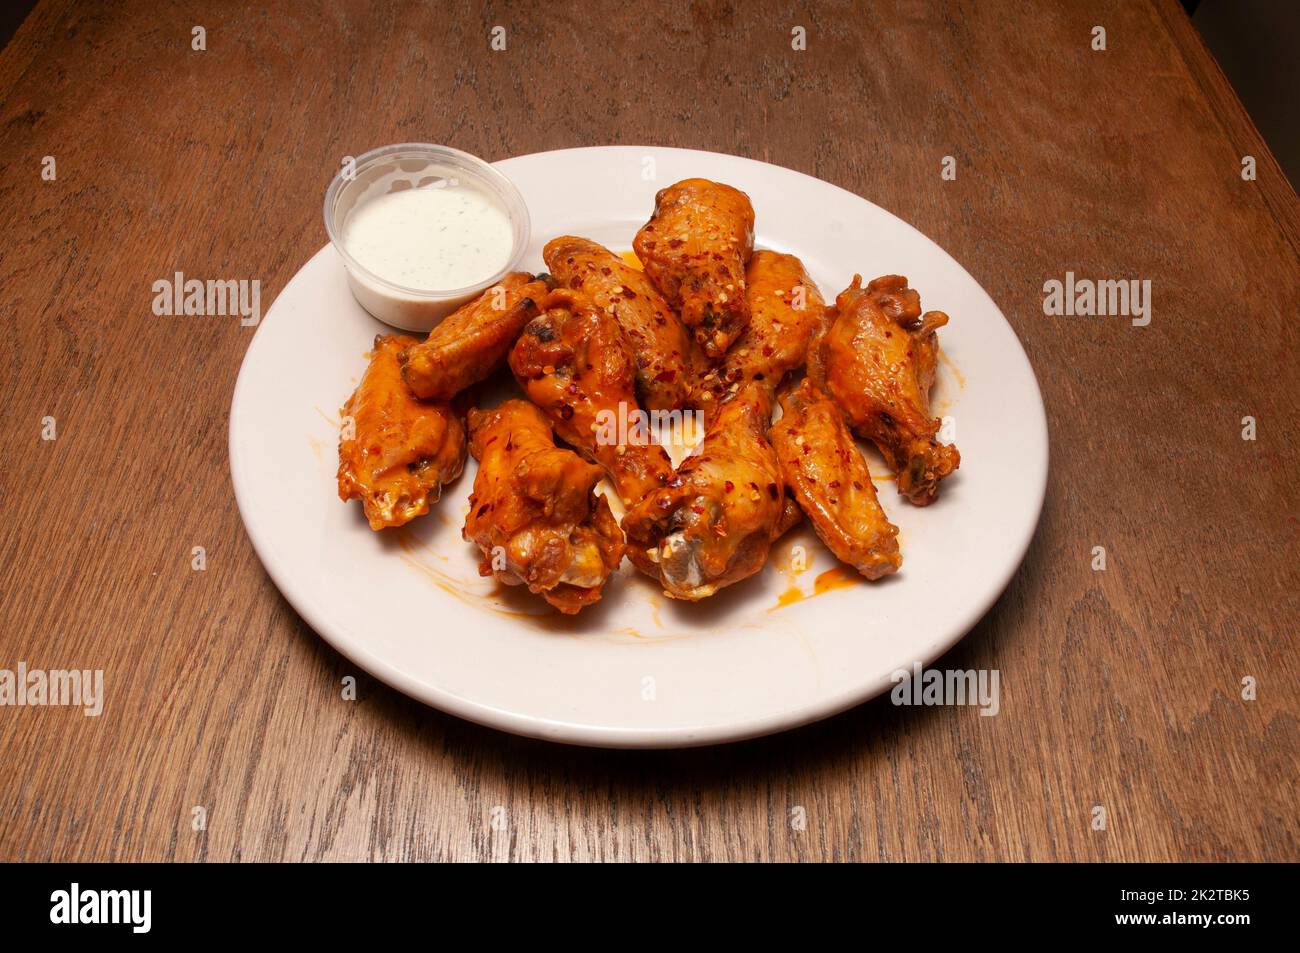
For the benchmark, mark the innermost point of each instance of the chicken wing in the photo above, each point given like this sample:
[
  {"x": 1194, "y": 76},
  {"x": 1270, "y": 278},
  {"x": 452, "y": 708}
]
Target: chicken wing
[
  {"x": 660, "y": 343},
  {"x": 784, "y": 308},
  {"x": 876, "y": 358},
  {"x": 823, "y": 467},
  {"x": 534, "y": 512},
  {"x": 471, "y": 342},
  {"x": 574, "y": 363},
  {"x": 694, "y": 249},
  {"x": 396, "y": 452},
  {"x": 713, "y": 524}
]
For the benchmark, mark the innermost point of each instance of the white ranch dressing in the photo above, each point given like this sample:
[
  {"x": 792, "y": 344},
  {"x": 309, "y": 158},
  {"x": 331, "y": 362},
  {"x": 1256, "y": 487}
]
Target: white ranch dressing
[{"x": 434, "y": 239}]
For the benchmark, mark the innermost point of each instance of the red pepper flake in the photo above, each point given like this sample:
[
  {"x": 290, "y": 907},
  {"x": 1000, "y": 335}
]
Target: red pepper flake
[{"x": 729, "y": 486}]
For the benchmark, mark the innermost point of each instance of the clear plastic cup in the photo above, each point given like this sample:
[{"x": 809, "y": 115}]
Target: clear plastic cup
[{"x": 416, "y": 165}]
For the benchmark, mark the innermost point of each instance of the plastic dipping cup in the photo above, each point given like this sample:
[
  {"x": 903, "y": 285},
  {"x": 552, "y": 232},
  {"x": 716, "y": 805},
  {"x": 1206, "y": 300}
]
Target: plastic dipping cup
[{"x": 399, "y": 284}]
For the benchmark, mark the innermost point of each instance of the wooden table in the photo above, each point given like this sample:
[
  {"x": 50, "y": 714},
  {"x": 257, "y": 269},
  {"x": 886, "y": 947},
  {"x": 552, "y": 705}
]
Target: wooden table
[{"x": 1121, "y": 689}]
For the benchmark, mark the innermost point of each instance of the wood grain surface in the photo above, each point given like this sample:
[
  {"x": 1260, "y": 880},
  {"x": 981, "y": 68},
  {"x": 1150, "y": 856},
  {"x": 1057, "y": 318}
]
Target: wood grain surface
[{"x": 1120, "y": 689}]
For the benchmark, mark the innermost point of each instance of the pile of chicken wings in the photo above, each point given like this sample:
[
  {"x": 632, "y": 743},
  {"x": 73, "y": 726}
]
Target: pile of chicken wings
[{"x": 709, "y": 325}]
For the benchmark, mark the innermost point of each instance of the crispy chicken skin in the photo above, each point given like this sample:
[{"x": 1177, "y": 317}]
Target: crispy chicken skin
[
  {"x": 573, "y": 361},
  {"x": 694, "y": 249},
  {"x": 876, "y": 357},
  {"x": 471, "y": 342},
  {"x": 396, "y": 452},
  {"x": 660, "y": 343},
  {"x": 824, "y": 468},
  {"x": 713, "y": 524},
  {"x": 534, "y": 512},
  {"x": 785, "y": 307}
]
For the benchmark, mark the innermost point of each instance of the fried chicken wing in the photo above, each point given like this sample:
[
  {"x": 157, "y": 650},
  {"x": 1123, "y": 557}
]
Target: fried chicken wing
[
  {"x": 396, "y": 452},
  {"x": 661, "y": 346},
  {"x": 694, "y": 249},
  {"x": 534, "y": 512},
  {"x": 573, "y": 361},
  {"x": 824, "y": 468},
  {"x": 471, "y": 342},
  {"x": 713, "y": 524},
  {"x": 877, "y": 358},
  {"x": 785, "y": 307}
]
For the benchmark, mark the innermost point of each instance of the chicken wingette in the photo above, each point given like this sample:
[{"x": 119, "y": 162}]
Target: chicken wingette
[
  {"x": 471, "y": 342},
  {"x": 824, "y": 468},
  {"x": 573, "y": 361},
  {"x": 396, "y": 452},
  {"x": 694, "y": 248},
  {"x": 661, "y": 346},
  {"x": 876, "y": 358},
  {"x": 785, "y": 307},
  {"x": 534, "y": 512},
  {"x": 714, "y": 522}
]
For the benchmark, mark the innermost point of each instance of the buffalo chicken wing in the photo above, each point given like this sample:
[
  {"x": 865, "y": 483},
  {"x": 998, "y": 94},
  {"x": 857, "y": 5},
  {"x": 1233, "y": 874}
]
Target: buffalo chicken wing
[
  {"x": 824, "y": 468},
  {"x": 876, "y": 358},
  {"x": 660, "y": 344},
  {"x": 714, "y": 521},
  {"x": 784, "y": 309},
  {"x": 470, "y": 343},
  {"x": 534, "y": 512},
  {"x": 396, "y": 452},
  {"x": 694, "y": 248},
  {"x": 573, "y": 361}
]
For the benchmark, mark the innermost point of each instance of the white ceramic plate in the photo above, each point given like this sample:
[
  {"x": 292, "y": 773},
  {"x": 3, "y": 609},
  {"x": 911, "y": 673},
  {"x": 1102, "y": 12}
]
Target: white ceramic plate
[{"x": 638, "y": 669}]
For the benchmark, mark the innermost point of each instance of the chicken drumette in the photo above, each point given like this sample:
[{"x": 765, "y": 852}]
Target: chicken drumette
[
  {"x": 470, "y": 343},
  {"x": 534, "y": 512},
  {"x": 714, "y": 521},
  {"x": 824, "y": 468},
  {"x": 396, "y": 451},
  {"x": 574, "y": 362},
  {"x": 876, "y": 358},
  {"x": 784, "y": 309},
  {"x": 660, "y": 344},
  {"x": 694, "y": 249}
]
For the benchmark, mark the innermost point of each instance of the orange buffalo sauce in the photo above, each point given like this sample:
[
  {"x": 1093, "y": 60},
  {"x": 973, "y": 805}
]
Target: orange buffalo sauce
[
  {"x": 839, "y": 577},
  {"x": 789, "y": 597},
  {"x": 631, "y": 259}
]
